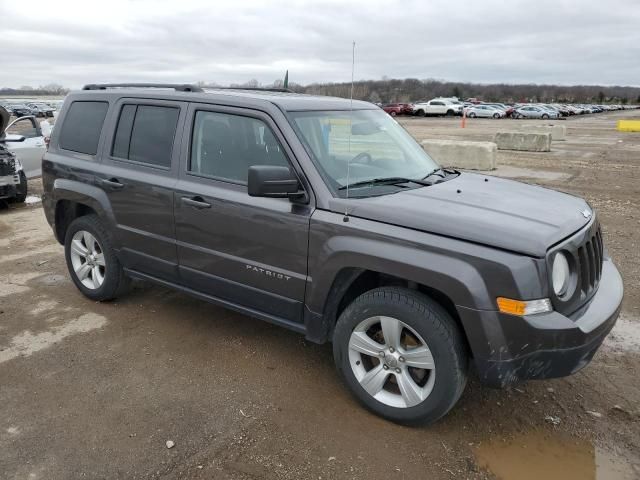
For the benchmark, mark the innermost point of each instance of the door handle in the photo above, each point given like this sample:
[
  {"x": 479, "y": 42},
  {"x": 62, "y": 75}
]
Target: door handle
[
  {"x": 196, "y": 202},
  {"x": 112, "y": 183}
]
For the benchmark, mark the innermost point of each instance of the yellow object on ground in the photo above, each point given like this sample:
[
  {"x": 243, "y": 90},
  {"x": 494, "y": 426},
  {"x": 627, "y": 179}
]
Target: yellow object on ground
[{"x": 629, "y": 125}]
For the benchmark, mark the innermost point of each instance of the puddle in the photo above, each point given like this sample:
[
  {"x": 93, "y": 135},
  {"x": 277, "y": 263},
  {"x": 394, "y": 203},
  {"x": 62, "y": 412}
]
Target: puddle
[
  {"x": 538, "y": 455},
  {"x": 507, "y": 171},
  {"x": 625, "y": 336}
]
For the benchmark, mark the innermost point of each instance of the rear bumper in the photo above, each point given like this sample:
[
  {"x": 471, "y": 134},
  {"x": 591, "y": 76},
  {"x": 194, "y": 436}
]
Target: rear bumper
[{"x": 509, "y": 349}]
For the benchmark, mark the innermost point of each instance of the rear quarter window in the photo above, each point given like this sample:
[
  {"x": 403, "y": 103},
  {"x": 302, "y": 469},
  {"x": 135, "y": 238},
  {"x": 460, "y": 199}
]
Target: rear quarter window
[{"x": 82, "y": 127}]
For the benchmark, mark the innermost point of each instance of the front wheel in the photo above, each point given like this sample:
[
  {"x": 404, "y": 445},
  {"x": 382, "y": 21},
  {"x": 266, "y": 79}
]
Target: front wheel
[
  {"x": 401, "y": 355},
  {"x": 472, "y": 115},
  {"x": 496, "y": 115},
  {"x": 91, "y": 260},
  {"x": 545, "y": 116}
]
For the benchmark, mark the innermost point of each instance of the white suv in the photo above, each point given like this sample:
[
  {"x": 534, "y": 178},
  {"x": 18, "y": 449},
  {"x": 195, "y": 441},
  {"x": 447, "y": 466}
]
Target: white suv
[{"x": 437, "y": 106}]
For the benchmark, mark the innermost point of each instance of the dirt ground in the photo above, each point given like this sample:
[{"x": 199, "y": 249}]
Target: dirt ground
[{"x": 92, "y": 390}]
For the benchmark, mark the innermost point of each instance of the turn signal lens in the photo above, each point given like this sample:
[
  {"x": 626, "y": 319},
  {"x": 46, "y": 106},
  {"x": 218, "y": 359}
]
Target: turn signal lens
[{"x": 520, "y": 308}]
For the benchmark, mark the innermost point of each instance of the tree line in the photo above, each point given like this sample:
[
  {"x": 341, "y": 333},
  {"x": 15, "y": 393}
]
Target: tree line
[
  {"x": 389, "y": 90},
  {"x": 392, "y": 90}
]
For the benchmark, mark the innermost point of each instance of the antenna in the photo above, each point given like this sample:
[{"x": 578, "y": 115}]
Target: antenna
[{"x": 353, "y": 65}]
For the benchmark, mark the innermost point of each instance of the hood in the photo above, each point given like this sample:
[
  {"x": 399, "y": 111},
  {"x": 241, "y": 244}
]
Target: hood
[{"x": 489, "y": 210}]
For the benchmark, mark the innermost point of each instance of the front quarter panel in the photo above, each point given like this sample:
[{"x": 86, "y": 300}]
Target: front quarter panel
[{"x": 470, "y": 275}]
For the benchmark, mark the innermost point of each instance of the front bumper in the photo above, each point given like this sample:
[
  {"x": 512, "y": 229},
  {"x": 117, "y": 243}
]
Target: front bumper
[
  {"x": 8, "y": 186},
  {"x": 508, "y": 349}
]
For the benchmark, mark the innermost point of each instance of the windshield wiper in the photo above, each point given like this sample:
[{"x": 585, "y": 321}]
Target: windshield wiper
[{"x": 385, "y": 181}]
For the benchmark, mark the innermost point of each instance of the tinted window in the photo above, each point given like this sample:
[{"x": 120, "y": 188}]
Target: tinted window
[
  {"x": 145, "y": 134},
  {"x": 82, "y": 127},
  {"x": 225, "y": 146}
]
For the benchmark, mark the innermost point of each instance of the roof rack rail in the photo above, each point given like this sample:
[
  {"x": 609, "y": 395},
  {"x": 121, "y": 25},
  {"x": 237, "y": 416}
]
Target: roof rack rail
[
  {"x": 255, "y": 89},
  {"x": 176, "y": 86}
]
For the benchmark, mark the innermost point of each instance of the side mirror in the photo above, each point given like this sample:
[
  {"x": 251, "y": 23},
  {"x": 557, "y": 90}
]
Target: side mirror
[{"x": 274, "y": 182}]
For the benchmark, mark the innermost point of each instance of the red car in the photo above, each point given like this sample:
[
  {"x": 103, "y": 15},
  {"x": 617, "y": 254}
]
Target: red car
[{"x": 394, "y": 109}]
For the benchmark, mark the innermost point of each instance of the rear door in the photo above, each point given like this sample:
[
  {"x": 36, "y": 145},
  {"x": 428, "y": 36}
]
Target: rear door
[
  {"x": 138, "y": 173},
  {"x": 246, "y": 251}
]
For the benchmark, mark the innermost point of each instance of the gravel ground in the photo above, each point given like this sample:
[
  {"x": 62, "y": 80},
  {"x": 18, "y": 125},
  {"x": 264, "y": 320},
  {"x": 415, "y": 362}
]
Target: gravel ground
[{"x": 92, "y": 390}]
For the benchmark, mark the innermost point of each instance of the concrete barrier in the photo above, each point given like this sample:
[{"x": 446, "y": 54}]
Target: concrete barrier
[
  {"x": 558, "y": 132},
  {"x": 527, "y": 142},
  {"x": 462, "y": 154},
  {"x": 629, "y": 125}
]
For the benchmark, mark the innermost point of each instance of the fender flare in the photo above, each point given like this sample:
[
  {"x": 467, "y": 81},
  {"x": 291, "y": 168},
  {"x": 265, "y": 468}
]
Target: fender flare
[{"x": 83, "y": 193}]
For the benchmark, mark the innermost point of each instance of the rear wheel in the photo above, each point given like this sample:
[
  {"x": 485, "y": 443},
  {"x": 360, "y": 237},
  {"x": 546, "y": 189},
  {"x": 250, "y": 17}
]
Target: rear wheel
[
  {"x": 392, "y": 113},
  {"x": 496, "y": 115},
  {"x": 450, "y": 113},
  {"x": 401, "y": 355},
  {"x": 421, "y": 113},
  {"x": 545, "y": 116},
  {"x": 91, "y": 260},
  {"x": 472, "y": 115}
]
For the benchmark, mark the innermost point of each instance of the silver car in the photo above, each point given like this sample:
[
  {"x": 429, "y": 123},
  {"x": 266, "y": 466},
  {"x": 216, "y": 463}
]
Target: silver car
[
  {"x": 484, "y": 111},
  {"x": 533, "y": 111}
]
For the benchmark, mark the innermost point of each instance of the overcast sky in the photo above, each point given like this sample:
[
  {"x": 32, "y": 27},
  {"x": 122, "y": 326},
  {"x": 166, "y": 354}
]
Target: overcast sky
[{"x": 566, "y": 42}]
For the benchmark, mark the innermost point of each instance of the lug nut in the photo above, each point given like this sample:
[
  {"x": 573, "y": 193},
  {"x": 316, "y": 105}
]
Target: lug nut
[
  {"x": 382, "y": 354},
  {"x": 391, "y": 349},
  {"x": 385, "y": 366},
  {"x": 397, "y": 370},
  {"x": 401, "y": 359}
]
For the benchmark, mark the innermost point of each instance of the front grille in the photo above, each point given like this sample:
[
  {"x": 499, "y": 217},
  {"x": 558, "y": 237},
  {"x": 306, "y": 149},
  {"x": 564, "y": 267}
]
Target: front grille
[
  {"x": 590, "y": 262},
  {"x": 585, "y": 251},
  {"x": 7, "y": 166}
]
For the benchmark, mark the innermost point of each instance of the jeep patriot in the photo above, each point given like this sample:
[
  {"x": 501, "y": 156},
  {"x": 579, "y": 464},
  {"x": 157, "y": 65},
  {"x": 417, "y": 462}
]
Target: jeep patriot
[{"x": 324, "y": 216}]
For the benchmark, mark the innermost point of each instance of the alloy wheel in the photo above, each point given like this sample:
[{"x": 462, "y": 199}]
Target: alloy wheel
[
  {"x": 391, "y": 361},
  {"x": 87, "y": 259}
]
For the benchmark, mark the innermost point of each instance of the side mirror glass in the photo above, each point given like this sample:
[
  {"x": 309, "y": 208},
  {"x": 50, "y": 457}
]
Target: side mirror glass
[{"x": 274, "y": 182}]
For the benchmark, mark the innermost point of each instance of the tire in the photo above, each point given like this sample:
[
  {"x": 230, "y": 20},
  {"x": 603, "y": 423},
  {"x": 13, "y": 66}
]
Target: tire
[
  {"x": 450, "y": 113},
  {"x": 114, "y": 282},
  {"x": 545, "y": 116},
  {"x": 421, "y": 113},
  {"x": 393, "y": 114},
  {"x": 425, "y": 398},
  {"x": 496, "y": 115},
  {"x": 472, "y": 115}
]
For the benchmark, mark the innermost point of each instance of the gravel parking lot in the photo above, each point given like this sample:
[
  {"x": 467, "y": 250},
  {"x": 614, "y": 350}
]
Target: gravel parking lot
[{"x": 93, "y": 390}]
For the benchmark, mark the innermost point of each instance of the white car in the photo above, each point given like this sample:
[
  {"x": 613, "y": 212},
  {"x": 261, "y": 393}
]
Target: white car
[
  {"x": 484, "y": 111},
  {"x": 437, "y": 106},
  {"x": 25, "y": 137}
]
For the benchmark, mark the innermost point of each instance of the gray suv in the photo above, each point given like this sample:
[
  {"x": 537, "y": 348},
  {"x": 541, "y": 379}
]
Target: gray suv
[{"x": 325, "y": 216}]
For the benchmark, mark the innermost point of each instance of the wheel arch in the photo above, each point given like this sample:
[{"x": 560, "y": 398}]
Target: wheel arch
[{"x": 74, "y": 199}]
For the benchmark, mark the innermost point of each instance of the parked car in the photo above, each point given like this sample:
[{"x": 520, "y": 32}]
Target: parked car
[
  {"x": 534, "y": 111},
  {"x": 326, "y": 217},
  {"x": 484, "y": 111},
  {"x": 41, "y": 109},
  {"x": 508, "y": 110},
  {"x": 25, "y": 137},
  {"x": 437, "y": 107},
  {"x": 13, "y": 182},
  {"x": 20, "y": 110},
  {"x": 394, "y": 109}
]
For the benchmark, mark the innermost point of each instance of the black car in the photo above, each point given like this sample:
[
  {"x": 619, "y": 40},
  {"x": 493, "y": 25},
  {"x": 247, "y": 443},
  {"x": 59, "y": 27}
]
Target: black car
[
  {"x": 20, "y": 110},
  {"x": 325, "y": 216}
]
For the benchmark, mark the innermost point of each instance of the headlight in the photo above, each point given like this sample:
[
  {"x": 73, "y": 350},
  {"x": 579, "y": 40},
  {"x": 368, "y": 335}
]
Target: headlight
[{"x": 560, "y": 274}]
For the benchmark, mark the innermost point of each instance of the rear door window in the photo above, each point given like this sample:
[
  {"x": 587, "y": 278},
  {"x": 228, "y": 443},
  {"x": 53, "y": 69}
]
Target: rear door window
[
  {"x": 82, "y": 127},
  {"x": 145, "y": 134}
]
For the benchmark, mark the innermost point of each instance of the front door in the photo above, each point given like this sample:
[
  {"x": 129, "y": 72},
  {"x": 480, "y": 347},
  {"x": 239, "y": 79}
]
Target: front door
[
  {"x": 30, "y": 148},
  {"x": 245, "y": 251},
  {"x": 138, "y": 172}
]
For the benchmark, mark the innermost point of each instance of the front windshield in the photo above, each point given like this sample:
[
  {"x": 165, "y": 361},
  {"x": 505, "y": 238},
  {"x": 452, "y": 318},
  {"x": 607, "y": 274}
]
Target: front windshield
[{"x": 362, "y": 145}]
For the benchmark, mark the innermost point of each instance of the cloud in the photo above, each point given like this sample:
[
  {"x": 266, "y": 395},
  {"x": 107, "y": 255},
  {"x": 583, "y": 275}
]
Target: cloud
[{"x": 77, "y": 42}]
